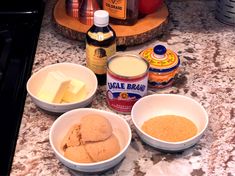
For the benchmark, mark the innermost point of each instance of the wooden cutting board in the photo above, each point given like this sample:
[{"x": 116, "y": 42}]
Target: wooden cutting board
[{"x": 144, "y": 30}]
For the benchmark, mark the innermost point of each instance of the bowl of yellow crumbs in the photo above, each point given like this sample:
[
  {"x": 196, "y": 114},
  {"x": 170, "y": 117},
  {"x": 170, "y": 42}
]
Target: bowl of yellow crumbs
[
  {"x": 61, "y": 87},
  {"x": 169, "y": 122}
]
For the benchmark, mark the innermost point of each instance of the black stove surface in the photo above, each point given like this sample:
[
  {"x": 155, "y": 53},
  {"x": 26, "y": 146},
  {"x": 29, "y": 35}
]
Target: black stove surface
[{"x": 19, "y": 31}]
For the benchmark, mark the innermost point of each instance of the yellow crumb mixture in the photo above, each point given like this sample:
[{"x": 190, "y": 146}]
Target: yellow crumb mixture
[{"x": 170, "y": 128}]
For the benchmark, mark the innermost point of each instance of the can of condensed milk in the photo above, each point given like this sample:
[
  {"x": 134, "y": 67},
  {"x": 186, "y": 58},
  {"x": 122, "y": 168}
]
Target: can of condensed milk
[{"x": 127, "y": 81}]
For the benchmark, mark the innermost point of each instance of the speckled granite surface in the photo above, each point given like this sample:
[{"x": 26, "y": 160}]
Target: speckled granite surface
[{"x": 207, "y": 50}]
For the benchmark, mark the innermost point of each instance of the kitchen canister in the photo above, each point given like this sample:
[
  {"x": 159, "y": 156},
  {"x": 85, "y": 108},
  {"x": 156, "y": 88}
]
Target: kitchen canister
[
  {"x": 127, "y": 81},
  {"x": 86, "y": 11},
  {"x": 164, "y": 65},
  {"x": 72, "y": 7},
  {"x": 225, "y": 11}
]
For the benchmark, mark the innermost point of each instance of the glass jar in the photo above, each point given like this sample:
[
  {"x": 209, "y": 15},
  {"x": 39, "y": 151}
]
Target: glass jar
[{"x": 123, "y": 12}]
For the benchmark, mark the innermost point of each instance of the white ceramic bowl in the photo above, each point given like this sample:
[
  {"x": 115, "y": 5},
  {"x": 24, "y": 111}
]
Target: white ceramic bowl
[
  {"x": 169, "y": 104},
  {"x": 62, "y": 124},
  {"x": 69, "y": 69}
]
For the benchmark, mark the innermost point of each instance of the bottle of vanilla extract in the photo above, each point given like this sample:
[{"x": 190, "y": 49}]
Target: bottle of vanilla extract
[{"x": 100, "y": 44}]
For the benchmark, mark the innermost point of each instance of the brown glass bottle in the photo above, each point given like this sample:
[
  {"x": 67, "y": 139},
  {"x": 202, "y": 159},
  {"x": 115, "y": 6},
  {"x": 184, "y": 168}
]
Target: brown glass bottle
[
  {"x": 123, "y": 12},
  {"x": 100, "y": 44}
]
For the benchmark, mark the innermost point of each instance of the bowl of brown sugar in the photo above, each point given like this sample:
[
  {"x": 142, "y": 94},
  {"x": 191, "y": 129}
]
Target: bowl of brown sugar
[{"x": 169, "y": 122}]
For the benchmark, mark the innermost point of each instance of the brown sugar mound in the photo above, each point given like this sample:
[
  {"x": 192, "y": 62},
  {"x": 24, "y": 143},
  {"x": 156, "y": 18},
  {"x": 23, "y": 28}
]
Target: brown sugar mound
[
  {"x": 95, "y": 128},
  {"x": 91, "y": 140},
  {"x": 103, "y": 150},
  {"x": 77, "y": 154},
  {"x": 72, "y": 137},
  {"x": 170, "y": 128}
]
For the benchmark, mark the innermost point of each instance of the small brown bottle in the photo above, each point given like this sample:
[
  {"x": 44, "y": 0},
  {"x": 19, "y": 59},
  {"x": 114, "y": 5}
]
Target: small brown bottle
[
  {"x": 123, "y": 12},
  {"x": 100, "y": 44}
]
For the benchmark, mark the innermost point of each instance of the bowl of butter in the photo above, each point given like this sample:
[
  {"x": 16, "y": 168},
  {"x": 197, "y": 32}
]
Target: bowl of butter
[{"x": 61, "y": 87}]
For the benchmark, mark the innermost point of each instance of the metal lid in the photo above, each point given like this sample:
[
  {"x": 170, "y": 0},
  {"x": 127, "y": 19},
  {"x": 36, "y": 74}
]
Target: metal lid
[{"x": 161, "y": 59}]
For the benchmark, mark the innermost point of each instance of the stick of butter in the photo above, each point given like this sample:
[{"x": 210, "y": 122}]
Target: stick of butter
[
  {"x": 76, "y": 91},
  {"x": 54, "y": 87}
]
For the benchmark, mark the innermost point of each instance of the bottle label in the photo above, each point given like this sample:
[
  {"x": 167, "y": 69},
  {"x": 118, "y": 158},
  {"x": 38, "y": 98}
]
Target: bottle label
[
  {"x": 116, "y": 8},
  {"x": 96, "y": 57},
  {"x": 100, "y": 36}
]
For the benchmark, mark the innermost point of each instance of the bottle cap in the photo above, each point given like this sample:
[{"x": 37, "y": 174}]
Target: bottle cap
[{"x": 101, "y": 18}]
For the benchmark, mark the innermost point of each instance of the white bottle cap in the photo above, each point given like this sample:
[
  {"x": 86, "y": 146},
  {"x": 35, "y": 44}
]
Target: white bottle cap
[{"x": 101, "y": 18}]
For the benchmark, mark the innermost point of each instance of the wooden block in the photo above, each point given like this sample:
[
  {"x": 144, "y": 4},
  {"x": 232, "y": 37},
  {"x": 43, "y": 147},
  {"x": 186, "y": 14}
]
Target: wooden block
[{"x": 144, "y": 30}]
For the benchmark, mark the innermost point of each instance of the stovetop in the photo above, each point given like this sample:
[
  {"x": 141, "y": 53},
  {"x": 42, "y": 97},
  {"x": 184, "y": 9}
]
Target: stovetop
[{"x": 19, "y": 31}]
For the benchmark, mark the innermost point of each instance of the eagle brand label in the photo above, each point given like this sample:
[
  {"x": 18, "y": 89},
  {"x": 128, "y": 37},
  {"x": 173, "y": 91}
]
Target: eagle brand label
[
  {"x": 122, "y": 94},
  {"x": 122, "y": 90}
]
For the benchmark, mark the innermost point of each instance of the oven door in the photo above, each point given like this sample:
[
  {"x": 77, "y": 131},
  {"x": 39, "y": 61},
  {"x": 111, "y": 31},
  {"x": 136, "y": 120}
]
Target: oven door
[
  {"x": 19, "y": 31},
  {"x": 5, "y": 45}
]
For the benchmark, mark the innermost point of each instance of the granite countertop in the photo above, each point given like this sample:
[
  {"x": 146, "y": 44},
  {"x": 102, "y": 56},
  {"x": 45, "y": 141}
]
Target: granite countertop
[{"x": 206, "y": 48}]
